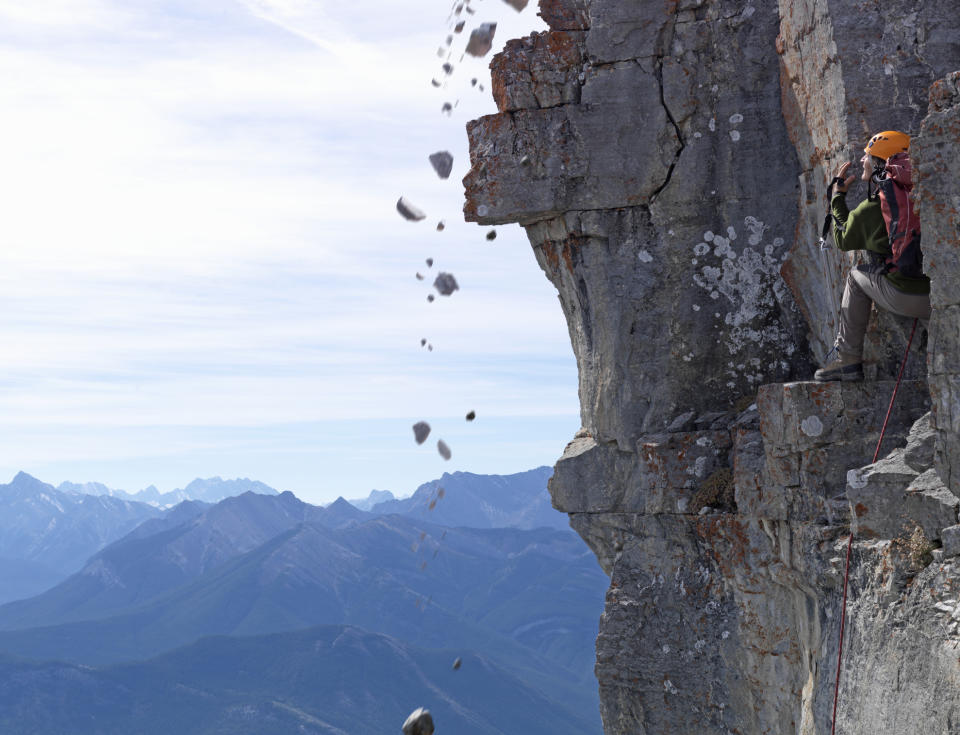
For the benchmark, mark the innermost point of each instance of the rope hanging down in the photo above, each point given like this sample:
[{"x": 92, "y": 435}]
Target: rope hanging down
[{"x": 846, "y": 573}]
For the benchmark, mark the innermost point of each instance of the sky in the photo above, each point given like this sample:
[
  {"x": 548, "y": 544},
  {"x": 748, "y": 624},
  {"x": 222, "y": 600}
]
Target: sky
[{"x": 202, "y": 269}]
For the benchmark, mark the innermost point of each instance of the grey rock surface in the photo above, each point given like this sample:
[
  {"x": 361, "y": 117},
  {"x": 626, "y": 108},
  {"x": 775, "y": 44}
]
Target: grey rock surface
[{"x": 669, "y": 163}]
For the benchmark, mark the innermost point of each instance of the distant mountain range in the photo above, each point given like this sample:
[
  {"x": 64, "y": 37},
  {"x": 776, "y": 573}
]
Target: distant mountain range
[
  {"x": 402, "y": 583},
  {"x": 329, "y": 680},
  {"x": 210, "y": 490}
]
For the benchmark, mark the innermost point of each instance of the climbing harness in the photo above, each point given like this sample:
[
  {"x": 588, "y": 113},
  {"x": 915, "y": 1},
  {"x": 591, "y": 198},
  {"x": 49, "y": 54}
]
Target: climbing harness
[{"x": 846, "y": 573}]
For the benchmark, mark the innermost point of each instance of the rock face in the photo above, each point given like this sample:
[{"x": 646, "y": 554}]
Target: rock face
[{"x": 669, "y": 162}]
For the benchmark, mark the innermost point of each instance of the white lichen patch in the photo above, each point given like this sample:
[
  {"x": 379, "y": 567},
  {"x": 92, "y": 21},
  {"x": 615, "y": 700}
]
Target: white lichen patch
[
  {"x": 811, "y": 426},
  {"x": 736, "y": 118},
  {"x": 855, "y": 479},
  {"x": 669, "y": 687},
  {"x": 644, "y": 257},
  {"x": 708, "y": 236},
  {"x": 712, "y": 124},
  {"x": 701, "y": 248},
  {"x": 696, "y": 307},
  {"x": 735, "y": 135},
  {"x": 748, "y": 282}
]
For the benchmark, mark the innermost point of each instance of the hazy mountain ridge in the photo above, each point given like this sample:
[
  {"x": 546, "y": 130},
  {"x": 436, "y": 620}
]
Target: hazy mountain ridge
[
  {"x": 520, "y": 500},
  {"x": 46, "y": 534},
  {"x": 209, "y": 490}
]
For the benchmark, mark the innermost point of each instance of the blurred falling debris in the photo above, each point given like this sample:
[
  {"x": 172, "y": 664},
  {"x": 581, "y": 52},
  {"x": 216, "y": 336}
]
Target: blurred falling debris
[
  {"x": 441, "y": 225},
  {"x": 414, "y": 547},
  {"x": 446, "y": 284},
  {"x": 473, "y": 82},
  {"x": 421, "y": 430},
  {"x": 442, "y": 163},
  {"x": 419, "y": 276},
  {"x": 433, "y": 504},
  {"x": 481, "y": 39},
  {"x": 444, "y": 449},
  {"x": 458, "y": 28},
  {"x": 471, "y": 10},
  {"x": 429, "y": 262},
  {"x": 481, "y": 87},
  {"x": 441, "y": 52},
  {"x": 440, "y": 493},
  {"x": 430, "y": 348},
  {"x": 423, "y": 342},
  {"x": 423, "y": 565},
  {"x": 517, "y": 5},
  {"x": 492, "y": 235},
  {"x": 525, "y": 161},
  {"x": 471, "y": 416},
  {"x": 448, "y": 68},
  {"x": 430, "y": 298},
  {"x": 409, "y": 211},
  {"x": 447, "y": 108},
  {"x": 449, "y": 40},
  {"x": 418, "y": 723},
  {"x": 457, "y": 663},
  {"x": 435, "y": 82}
]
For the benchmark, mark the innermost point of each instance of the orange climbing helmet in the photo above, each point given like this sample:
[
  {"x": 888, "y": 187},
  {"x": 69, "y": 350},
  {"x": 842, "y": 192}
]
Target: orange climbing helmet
[{"x": 888, "y": 143}]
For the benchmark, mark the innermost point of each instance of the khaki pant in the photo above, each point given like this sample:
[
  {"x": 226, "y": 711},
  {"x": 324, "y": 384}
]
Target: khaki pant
[{"x": 864, "y": 288}]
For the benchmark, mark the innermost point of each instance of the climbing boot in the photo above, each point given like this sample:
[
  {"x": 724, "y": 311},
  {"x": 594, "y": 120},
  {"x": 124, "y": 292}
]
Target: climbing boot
[{"x": 845, "y": 368}]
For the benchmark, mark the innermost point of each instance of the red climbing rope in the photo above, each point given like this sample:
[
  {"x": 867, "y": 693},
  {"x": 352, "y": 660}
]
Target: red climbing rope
[{"x": 846, "y": 573}]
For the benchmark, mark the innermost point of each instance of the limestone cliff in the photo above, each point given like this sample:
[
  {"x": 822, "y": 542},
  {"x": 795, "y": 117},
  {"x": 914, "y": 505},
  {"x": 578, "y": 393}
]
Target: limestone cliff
[{"x": 669, "y": 161}]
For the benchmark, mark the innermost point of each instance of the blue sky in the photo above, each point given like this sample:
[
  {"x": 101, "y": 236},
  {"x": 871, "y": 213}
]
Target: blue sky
[{"x": 202, "y": 271}]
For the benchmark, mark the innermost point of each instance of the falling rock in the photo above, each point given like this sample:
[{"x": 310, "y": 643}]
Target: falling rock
[
  {"x": 492, "y": 235},
  {"x": 473, "y": 82},
  {"x": 419, "y": 723},
  {"x": 441, "y": 226},
  {"x": 448, "y": 68},
  {"x": 430, "y": 298},
  {"x": 421, "y": 430},
  {"x": 447, "y": 108},
  {"x": 481, "y": 39},
  {"x": 429, "y": 262},
  {"x": 444, "y": 449},
  {"x": 459, "y": 27},
  {"x": 457, "y": 663},
  {"x": 435, "y": 82},
  {"x": 419, "y": 276},
  {"x": 517, "y": 5},
  {"x": 423, "y": 342},
  {"x": 409, "y": 211},
  {"x": 445, "y": 283},
  {"x": 442, "y": 163},
  {"x": 471, "y": 416}
]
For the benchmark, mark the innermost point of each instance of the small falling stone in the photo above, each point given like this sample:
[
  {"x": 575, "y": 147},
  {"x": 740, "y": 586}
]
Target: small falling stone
[
  {"x": 459, "y": 27},
  {"x": 421, "y": 430},
  {"x": 442, "y": 163},
  {"x": 419, "y": 276},
  {"x": 441, "y": 52},
  {"x": 430, "y": 298},
  {"x": 446, "y": 284},
  {"x": 481, "y": 39},
  {"x": 447, "y": 108},
  {"x": 449, "y": 40},
  {"x": 409, "y": 211},
  {"x": 492, "y": 235},
  {"x": 433, "y": 504},
  {"x": 458, "y": 662},
  {"x": 471, "y": 10},
  {"x": 429, "y": 262},
  {"x": 444, "y": 449},
  {"x": 441, "y": 492},
  {"x": 517, "y": 5},
  {"x": 525, "y": 161},
  {"x": 473, "y": 82},
  {"x": 430, "y": 348},
  {"x": 481, "y": 87},
  {"x": 423, "y": 342},
  {"x": 435, "y": 82},
  {"x": 448, "y": 68},
  {"x": 441, "y": 226},
  {"x": 471, "y": 416},
  {"x": 459, "y": 9}
]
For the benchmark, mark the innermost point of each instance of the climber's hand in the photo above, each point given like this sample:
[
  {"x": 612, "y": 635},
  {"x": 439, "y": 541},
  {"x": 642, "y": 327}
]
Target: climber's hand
[{"x": 847, "y": 181}]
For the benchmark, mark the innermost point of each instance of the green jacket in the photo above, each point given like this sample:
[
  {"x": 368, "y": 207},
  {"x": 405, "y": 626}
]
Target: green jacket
[{"x": 864, "y": 229}]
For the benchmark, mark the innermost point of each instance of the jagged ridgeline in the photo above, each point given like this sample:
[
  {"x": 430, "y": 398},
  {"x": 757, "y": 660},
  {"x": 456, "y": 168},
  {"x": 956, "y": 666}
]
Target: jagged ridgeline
[{"x": 669, "y": 162}]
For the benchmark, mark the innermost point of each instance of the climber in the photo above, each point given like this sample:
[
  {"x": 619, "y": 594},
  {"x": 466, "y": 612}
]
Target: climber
[{"x": 893, "y": 279}]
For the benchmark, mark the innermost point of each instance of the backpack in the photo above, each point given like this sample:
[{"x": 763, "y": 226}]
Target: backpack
[{"x": 894, "y": 183}]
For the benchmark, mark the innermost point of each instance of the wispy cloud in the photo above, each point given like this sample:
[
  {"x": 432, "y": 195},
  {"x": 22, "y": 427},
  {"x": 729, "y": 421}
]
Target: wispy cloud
[{"x": 199, "y": 228}]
